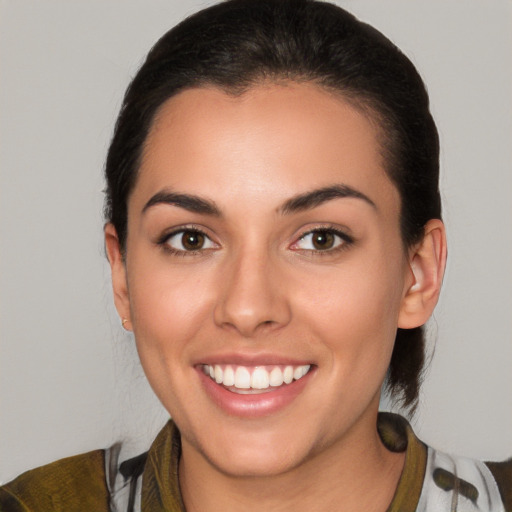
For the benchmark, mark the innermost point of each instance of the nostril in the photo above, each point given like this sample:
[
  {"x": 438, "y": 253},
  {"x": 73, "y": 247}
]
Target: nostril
[{"x": 247, "y": 302}]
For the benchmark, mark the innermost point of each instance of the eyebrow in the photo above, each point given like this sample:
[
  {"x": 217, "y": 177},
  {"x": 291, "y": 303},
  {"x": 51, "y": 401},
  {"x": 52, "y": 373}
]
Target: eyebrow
[
  {"x": 188, "y": 202},
  {"x": 315, "y": 198},
  {"x": 299, "y": 203}
]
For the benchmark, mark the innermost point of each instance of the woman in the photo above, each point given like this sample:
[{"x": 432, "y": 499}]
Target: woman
[{"x": 276, "y": 244}]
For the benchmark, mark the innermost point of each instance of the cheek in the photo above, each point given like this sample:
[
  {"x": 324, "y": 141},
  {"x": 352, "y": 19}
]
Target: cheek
[
  {"x": 354, "y": 311},
  {"x": 168, "y": 306},
  {"x": 168, "y": 310}
]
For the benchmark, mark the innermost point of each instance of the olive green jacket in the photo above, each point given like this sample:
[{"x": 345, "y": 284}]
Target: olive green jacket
[{"x": 94, "y": 482}]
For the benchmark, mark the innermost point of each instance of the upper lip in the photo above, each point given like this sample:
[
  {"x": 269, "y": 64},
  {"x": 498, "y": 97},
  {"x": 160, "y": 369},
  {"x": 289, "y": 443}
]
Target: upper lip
[{"x": 246, "y": 359}]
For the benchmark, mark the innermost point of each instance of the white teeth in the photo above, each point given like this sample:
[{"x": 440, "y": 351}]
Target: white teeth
[
  {"x": 276, "y": 377},
  {"x": 297, "y": 373},
  {"x": 257, "y": 378},
  {"x": 242, "y": 378},
  {"x": 218, "y": 374},
  {"x": 288, "y": 374},
  {"x": 260, "y": 379},
  {"x": 229, "y": 376}
]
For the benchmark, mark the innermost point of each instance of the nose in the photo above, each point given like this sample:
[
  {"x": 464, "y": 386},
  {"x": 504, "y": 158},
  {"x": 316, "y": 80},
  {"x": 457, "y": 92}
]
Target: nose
[{"x": 252, "y": 295}]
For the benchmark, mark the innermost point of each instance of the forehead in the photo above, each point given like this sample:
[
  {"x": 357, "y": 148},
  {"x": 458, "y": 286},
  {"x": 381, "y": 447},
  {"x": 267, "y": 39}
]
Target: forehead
[{"x": 297, "y": 136}]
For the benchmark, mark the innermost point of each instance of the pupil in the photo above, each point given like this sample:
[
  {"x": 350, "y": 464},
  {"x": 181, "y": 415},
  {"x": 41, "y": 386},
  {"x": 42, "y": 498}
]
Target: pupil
[
  {"x": 192, "y": 240},
  {"x": 323, "y": 240}
]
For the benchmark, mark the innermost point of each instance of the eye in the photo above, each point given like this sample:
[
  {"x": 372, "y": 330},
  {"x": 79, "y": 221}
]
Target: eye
[
  {"x": 188, "y": 240},
  {"x": 322, "y": 240}
]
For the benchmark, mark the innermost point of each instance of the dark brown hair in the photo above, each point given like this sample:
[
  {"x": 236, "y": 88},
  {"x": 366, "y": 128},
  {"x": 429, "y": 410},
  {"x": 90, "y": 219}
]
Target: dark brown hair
[{"x": 239, "y": 43}]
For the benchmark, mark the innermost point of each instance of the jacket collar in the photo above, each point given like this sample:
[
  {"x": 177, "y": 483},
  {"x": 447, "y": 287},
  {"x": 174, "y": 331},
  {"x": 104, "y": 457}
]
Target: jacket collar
[{"x": 160, "y": 483}]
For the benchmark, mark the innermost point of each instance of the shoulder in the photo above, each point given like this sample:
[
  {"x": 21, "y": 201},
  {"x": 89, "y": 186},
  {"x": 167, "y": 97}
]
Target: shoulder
[
  {"x": 470, "y": 484},
  {"x": 434, "y": 481},
  {"x": 70, "y": 484}
]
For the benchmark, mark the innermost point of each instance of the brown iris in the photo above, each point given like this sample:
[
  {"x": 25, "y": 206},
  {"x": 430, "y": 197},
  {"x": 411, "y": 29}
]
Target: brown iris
[
  {"x": 192, "y": 240},
  {"x": 322, "y": 240}
]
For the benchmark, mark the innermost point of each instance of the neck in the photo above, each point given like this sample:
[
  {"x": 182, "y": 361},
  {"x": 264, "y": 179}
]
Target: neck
[{"x": 356, "y": 473}]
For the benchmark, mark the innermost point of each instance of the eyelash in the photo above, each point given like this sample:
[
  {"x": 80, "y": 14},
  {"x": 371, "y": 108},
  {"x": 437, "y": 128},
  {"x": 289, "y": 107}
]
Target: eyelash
[
  {"x": 163, "y": 241},
  {"x": 344, "y": 242}
]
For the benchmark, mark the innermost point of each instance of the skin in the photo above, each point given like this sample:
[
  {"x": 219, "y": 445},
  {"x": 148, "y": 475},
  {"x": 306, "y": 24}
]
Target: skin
[{"x": 259, "y": 288}]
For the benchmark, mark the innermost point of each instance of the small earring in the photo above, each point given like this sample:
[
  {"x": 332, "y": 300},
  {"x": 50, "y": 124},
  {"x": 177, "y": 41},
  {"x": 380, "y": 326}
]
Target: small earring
[{"x": 124, "y": 322}]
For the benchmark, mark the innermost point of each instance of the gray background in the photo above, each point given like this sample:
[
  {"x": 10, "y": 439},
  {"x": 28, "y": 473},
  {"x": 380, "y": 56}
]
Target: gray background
[{"x": 69, "y": 377}]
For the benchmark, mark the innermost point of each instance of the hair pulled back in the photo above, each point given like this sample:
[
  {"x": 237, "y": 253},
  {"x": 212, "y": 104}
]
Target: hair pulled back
[{"x": 239, "y": 43}]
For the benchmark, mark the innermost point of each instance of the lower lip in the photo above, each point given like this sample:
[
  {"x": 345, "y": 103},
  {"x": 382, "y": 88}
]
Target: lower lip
[{"x": 253, "y": 405}]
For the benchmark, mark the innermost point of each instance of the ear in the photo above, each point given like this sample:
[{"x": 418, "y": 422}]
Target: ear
[
  {"x": 118, "y": 270},
  {"x": 427, "y": 261}
]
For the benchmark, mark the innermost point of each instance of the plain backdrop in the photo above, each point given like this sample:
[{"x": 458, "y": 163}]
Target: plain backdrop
[{"x": 69, "y": 376}]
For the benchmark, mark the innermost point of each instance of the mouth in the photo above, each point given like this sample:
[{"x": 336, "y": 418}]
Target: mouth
[
  {"x": 254, "y": 379},
  {"x": 257, "y": 390}
]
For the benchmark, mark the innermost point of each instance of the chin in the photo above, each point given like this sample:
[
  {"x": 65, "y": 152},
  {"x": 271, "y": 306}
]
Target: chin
[
  {"x": 258, "y": 464},
  {"x": 256, "y": 454}
]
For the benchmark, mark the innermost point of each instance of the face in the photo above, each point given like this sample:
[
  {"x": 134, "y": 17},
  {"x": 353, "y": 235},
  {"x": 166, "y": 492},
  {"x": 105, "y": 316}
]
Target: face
[{"x": 265, "y": 275}]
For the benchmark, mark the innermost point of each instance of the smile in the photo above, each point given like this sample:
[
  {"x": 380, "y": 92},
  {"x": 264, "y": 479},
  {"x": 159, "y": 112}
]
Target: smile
[{"x": 255, "y": 379}]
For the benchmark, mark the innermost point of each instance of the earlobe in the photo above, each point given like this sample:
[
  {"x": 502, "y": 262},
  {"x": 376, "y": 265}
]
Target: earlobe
[
  {"x": 427, "y": 262},
  {"x": 118, "y": 271}
]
